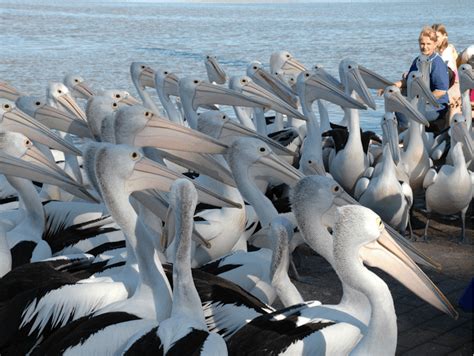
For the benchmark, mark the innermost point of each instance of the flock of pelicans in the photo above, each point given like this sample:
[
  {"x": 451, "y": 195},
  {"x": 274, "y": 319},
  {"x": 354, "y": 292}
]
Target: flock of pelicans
[{"x": 130, "y": 227}]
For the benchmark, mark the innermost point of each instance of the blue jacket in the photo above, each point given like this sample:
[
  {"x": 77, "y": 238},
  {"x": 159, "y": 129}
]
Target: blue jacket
[{"x": 439, "y": 77}]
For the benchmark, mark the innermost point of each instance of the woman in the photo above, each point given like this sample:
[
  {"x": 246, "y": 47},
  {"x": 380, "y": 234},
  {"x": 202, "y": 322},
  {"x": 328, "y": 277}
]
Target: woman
[
  {"x": 449, "y": 55},
  {"x": 439, "y": 79}
]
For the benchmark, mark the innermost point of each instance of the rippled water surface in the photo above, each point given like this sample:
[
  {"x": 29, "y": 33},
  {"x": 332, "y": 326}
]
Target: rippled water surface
[{"x": 42, "y": 41}]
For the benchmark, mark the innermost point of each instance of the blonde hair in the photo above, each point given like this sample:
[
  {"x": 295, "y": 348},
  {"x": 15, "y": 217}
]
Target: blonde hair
[
  {"x": 439, "y": 27},
  {"x": 427, "y": 31}
]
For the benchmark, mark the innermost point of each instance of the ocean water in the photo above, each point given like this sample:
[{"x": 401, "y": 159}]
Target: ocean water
[{"x": 41, "y": 41}]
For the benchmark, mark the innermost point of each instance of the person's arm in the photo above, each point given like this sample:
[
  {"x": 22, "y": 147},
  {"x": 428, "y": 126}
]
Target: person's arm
[{"x": 439, "y": 78}]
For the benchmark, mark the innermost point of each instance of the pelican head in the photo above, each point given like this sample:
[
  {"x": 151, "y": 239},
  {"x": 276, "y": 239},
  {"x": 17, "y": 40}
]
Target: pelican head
[
  {"x": 250, "y": 156},
  {"x": 138, "y": 126},
  {"x": 8, "y": 92},
  {"x": 460, "y": 133},
  {"x": 272, "y": 83},
  {"x": 166, "y": 83},
  {"x": 284, "y": 62},
  {"x": 423, "y": 64},
  {"x": 215, "y": 73},
  {"x": 218, "y": 125},
  {"x": 396, "y": 102},
  {"x": 77, "y": 86},
  {"x": 142, "y": 75},
  {"x": 372, "y": 79},
  {"x": 360, "y": 234},
  {"x": 326, "y": 196},
  {"x": 416, "y": 87},
  {"x": 390, "y": 135},
  {"x": 58, "y": 95},
  {"x": 98, "y": 108},
  {"x": 246, "y": 85},
  {"x": 121, "y": 96},
  {"x": 12, "y": 119},
  {"x": 53, "y": 118},
  {"x": 313, "y": 85},
  {"x": 20, "y": 158},
  {"x": 466, "y": 77},
  {"x": 352, "y": 80},
  {"x": 318, "y": 68}
]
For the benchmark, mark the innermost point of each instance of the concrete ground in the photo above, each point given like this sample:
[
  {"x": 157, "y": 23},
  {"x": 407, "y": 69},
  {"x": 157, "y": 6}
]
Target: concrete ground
[{"x": 422, "y": 329}]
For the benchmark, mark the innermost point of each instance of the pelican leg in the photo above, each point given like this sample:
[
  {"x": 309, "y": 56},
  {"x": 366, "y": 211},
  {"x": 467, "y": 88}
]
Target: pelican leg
[
  {"x": 425, "y": 234},
  {"x": 464, "y": 239},
  {"x": 294, "y": 274},
  {"x": 411, "y": 236}
]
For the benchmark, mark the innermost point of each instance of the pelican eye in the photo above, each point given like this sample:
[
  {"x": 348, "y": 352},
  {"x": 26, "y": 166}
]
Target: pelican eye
[
  {"x": 244, "y": 81},
  {"x": 380, "y": 223},
  {"x": 114, "y": 105},
  {"x": 335, "y": 189},
  {"x": 143, "y": 67},
  {"x": 6, "y": 106},
  {"x": 196, "y": 81},
  {"x": 310, "y": 161},
  {"x": 165, "y": 72},
  {"x": 255, "y": 68},
  {"x": 38, "y": 103},
  {"x": 134, "y": 155},
  {"x": 59, "y": 91},
  {"x": 287, "y": 56},
  {"x": 349, "y": 66},
  {"x": 147, "y": 113},
  {"x": 117, "y": 96},
  {"x": 207, "y": 57},
  {"x": 76, "y": 80},
  {"x": 413, "y": 75},
  {"x": 390, "y": 91},
  {"x": 27, "y": 143},
  {"x": 262, "y": 149},
  {"x": 224, "y": 117}
]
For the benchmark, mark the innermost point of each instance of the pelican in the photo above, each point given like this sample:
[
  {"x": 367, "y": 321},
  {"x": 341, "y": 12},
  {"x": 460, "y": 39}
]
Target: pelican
[
  {"x": 143, "y": 76},
  {"x": 52, "y": 117},
  {"x": 187, "y": 321},
  {"x": 283, "y": 61},
  {"x": 359, "y": 236},
  {"x": 57, "y": 95},
  {"x": 215, "y": 72},
  {"x": 466, "y": 82},
  {"x": 383, "y": 193},
  {"x": 450, "y": 190},
  {"x": 166, "y": 84},
  {"x": 77, "y": 86},
  {"x": 312, "y": 86},
  {"x": 347, "y": 165}
]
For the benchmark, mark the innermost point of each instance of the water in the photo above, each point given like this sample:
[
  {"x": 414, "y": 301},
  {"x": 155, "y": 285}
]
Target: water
[{"x": 41, "y": 41}]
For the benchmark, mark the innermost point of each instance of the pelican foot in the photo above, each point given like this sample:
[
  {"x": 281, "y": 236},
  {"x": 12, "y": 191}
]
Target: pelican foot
[
  {"x": 464, "y": 240},
  {"x": 423, "y": 238}
]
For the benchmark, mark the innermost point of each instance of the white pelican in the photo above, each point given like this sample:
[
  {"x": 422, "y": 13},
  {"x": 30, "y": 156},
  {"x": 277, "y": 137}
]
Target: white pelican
[
  {"x": 78, "y": 87},
  {"x": 312, "y": 86},
  {"x": 166, "y": 84},
  {"x": 52, "y": 117},
  {"x": 57, "y": 95},
  {"x": 215, "y": 72},
  {"x": 178, "y": 333},
  {"x": 143, "y": 76},
  {"x": 383, "y": 193},
  {"x": 359, "y": 236},
  {"x": 466, "y": 82},
  {"x": 347, "y": 165},
  {"x": 449, "y": 191},
  {"x": 272, "y": 83},
  {"x": 283, "y": 61}
]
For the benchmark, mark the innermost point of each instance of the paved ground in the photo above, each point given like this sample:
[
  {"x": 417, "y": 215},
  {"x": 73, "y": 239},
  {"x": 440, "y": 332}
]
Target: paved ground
[{"x": 422, "y": 330}]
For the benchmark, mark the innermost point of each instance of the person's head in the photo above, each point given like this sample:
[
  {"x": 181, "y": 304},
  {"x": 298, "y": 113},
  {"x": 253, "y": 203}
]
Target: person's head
[
  {"x": 427, "y": 41},
  {"x": 442, "y": 36}
]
